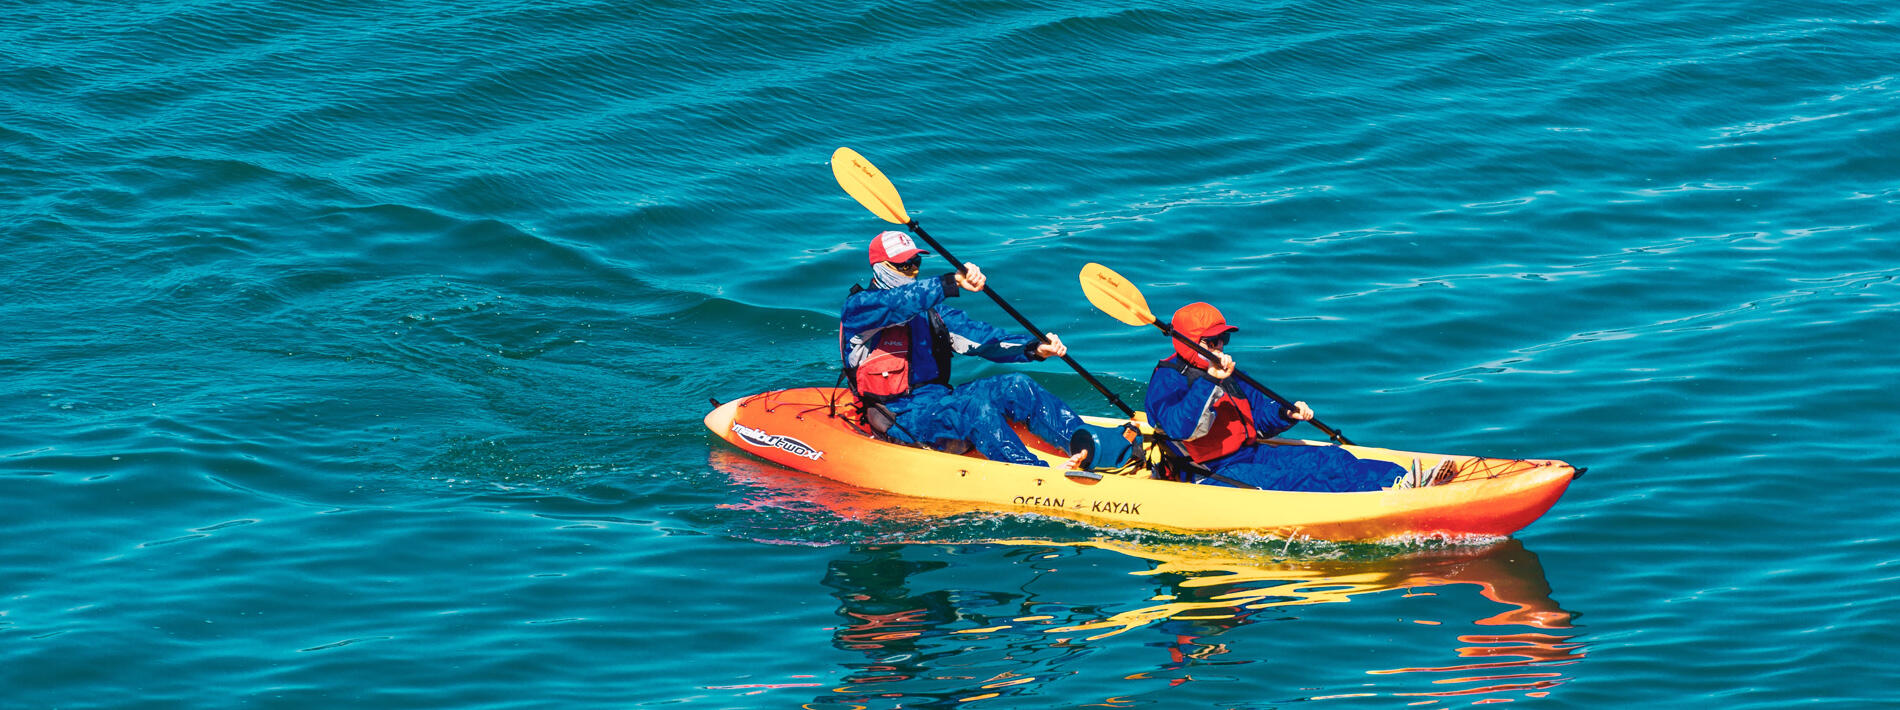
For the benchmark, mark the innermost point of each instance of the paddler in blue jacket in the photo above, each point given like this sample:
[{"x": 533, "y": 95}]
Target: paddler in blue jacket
[
  {"x": 897, "y": 338},
  {"x": 1219, "y": 422}
]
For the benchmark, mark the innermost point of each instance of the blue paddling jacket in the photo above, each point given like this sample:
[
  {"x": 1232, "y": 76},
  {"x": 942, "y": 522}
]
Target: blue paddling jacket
[{"x": 893, "y": 340}]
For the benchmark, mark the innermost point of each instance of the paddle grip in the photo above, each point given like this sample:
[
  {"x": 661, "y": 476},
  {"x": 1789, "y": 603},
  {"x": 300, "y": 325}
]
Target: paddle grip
[
  {"x": 1040, "y": 336},
  {"x": 1204, "y": 352}
]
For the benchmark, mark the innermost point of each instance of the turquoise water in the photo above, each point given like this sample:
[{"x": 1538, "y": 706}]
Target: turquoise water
[{"x": 355, "y": 353}]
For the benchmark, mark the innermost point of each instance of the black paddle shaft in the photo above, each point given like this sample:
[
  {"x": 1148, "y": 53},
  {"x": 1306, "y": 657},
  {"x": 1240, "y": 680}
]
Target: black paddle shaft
[
  {"x": 1204, "y": 352},
  {"x": 1040, "y": 337}
]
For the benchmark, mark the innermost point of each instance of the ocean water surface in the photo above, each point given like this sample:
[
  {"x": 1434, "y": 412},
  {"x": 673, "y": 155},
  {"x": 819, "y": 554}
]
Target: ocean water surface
[{"x": 355, "y": 353}]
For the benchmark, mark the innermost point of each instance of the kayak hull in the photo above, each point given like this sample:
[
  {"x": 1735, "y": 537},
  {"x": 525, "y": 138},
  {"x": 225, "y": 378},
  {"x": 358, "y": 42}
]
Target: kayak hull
[{"x": 812, "y": 430}]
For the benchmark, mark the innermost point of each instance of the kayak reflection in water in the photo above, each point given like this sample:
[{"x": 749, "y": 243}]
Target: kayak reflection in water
[
  {"x": 896, "y": 340},
  {"x": 1220, "y": 421},
  {"x": 940, "y": 624}
]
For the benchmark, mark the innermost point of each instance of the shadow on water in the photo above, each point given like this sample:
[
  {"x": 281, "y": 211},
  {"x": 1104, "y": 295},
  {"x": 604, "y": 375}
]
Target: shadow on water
[{"x": 942, "y": 608}]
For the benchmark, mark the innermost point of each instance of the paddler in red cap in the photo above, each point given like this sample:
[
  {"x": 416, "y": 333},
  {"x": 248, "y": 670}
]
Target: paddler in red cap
[
  {"x": 897, "y": 338},
  {"x": 1220, "y": 421}
]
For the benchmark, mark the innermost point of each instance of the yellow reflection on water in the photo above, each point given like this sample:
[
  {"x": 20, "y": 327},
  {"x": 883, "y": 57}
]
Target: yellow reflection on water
[{"x": 1504, "y": 572}]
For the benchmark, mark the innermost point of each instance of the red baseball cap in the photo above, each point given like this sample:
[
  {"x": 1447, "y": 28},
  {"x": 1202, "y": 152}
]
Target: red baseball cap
[
  {"x": 1197, "y": 321},
  {"x": 1201, "y": 320},
  {"x": 893, "y": 247}
]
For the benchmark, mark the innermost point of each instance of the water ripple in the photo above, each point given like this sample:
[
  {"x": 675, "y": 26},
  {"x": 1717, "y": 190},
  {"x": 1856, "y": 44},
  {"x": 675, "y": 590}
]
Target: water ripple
[{"x": 345, "y": 335}]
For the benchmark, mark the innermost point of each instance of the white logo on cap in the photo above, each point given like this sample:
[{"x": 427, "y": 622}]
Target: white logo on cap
[{"x": 897, "y": 243}]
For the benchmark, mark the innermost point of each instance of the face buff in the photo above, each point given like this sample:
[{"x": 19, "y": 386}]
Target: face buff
[{"x": 885, "y": 275}]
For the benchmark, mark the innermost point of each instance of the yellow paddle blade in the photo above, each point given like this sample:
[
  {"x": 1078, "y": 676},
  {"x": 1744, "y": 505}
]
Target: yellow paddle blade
[
  {"x": 1115, "y": 295},
  {"x": 869, "y": 186}
]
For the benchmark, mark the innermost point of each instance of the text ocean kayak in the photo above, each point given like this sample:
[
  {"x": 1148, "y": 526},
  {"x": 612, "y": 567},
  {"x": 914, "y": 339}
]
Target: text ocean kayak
[{"x": 812, "y": 430}]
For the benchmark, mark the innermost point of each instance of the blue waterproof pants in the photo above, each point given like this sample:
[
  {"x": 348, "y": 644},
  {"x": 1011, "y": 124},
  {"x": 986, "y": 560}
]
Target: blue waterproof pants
[
  {"x": 980, "y": 412},
  {"x": 1325, "y": 469}
]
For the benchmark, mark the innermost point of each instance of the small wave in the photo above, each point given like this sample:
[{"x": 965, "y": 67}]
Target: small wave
[{"x": 345, "y": 642}]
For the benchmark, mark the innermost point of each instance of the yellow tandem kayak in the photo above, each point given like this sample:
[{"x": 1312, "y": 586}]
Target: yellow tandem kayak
[{"x": 813, "y": 430}]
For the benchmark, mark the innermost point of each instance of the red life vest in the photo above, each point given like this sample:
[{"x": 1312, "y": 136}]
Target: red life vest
[
  {"x": 1233, "y": 419},
  {"x": 885, "y": 370},
  {"x": 885, "y": 373},
  {"x": 1232, "y": 429}
]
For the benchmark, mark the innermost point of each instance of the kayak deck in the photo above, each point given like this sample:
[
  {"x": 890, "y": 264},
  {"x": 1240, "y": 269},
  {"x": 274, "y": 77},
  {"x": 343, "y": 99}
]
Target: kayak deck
[{"x": 813, "y": 430}]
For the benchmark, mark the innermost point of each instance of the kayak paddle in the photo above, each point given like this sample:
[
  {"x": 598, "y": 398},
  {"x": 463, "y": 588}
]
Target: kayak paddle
[
  {"x": 869, "y": 186},
  {"x": 1120, "y": 299}
]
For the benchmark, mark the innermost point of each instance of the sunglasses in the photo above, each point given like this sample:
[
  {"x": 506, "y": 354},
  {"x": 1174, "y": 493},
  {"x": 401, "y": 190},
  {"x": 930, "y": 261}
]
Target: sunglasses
[
  {"x": 909, "y": 267},
  {"x": 1218, "y": 340}
]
